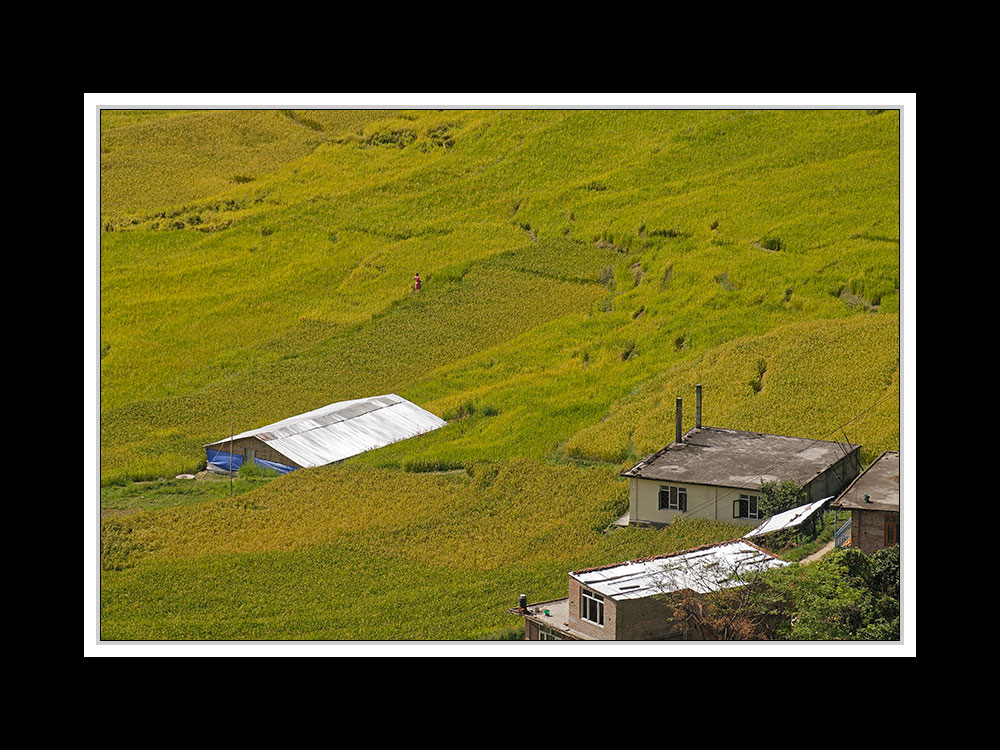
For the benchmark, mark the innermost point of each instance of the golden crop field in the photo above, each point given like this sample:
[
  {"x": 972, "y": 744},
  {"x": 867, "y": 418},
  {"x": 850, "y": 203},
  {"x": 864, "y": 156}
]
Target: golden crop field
[
  {"x": 387, "y": 555},
  {"x": 582, "y": 269}
]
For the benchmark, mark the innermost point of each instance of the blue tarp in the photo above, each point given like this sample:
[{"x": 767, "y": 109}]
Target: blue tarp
[{"x": 220, "y": 461}]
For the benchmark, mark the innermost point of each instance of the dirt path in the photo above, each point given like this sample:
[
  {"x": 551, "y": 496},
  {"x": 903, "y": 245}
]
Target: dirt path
[{"x": 818, "y": 554}]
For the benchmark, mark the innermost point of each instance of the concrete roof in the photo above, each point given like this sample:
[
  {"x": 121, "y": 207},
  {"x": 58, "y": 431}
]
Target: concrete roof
[
  {"x": 557, "y": 618},
  {"x": 344, "y": 429},
  {"x": 880, "y": 482},
  {"x": 702, "y": 569},
  {"x": 719, "y": 457}
]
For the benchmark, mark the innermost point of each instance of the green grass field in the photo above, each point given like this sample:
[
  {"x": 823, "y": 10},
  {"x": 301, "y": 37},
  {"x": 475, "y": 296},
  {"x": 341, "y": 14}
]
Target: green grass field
[{"x": 581, "y": 270}]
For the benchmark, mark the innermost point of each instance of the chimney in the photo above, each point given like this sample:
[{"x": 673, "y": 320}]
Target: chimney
[
  {"x": 680, "y": 401},
  {"x": 697, "y": 406}
]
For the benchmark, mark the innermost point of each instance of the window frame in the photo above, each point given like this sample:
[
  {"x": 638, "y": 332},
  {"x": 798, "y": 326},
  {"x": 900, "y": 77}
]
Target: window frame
[
  {"x": 547, "y": 633},
  {"x": 676, "y": 498},
  {"x": 891, "y": 522},
  {"x": 745, "y": 501},
  {"x": 595, "y": 600}
]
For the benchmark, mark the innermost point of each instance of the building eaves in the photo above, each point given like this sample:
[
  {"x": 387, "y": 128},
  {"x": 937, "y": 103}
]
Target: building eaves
[{"x": 880, "y": 481}]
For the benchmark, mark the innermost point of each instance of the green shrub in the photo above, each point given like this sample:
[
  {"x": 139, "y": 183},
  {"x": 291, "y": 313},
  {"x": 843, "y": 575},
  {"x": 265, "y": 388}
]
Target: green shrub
[
  {"x": 252, "y": 469},
  {"x": 777, "y": 497},
  {"x": 772, "y": 243}
]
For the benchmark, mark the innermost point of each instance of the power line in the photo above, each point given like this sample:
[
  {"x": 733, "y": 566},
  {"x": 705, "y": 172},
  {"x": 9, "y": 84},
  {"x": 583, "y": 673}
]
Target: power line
[{"x": 807, "y": 447}]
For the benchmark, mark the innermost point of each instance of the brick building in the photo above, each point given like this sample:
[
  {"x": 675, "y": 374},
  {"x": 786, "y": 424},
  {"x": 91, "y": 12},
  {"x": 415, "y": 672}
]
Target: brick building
[
  {"x": 873, "y": 501},
  {"x": 631, "y": 601}
]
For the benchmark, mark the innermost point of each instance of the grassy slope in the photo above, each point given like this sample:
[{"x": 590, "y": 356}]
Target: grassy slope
[{"x": 582, "y": 269}]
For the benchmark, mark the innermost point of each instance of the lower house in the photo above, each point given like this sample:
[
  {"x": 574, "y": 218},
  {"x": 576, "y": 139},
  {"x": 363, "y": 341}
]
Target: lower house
[
  {"x": 716, "y": 473},
  {"x": 631, "y": 601},
  {"x": 873, "y": 502}
]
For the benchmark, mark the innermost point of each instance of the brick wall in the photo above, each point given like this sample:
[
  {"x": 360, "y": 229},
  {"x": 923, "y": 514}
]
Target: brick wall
[
  {"x": 868, "y": 529},
  {"x": 261, "y": 450},
  {"x": 642, "y": 619},
  {"x": 646, "y": 619},
  {"x": 606, "y": 633}
]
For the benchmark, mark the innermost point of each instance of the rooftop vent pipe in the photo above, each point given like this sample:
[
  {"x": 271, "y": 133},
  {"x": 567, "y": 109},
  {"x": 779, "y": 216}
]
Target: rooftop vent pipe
[
  {"x": 697, "y": 406},
  {"x": 677, "y": 431}
]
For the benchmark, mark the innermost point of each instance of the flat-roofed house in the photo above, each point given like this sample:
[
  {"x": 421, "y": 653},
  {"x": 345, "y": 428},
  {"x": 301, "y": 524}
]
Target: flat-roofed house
[
  {"x": 713, "y": 472},
  {"x": 873, "y": 501},
  {"x": 630, "y": 601}
]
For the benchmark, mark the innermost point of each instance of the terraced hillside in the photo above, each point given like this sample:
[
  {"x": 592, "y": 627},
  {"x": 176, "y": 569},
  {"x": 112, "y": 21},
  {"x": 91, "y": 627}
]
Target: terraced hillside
[{"x": 581, "y": 269}]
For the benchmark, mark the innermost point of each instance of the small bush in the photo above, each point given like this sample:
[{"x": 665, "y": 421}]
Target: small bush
[
  {"x": 513, "y": 634},
  {"x": 399, "y": 137},
  {"x": 441, "y": 136},
  {"x": 777, "y": 497},
  {"x": 772, "y": 243},
  {"x": 253, "y": 470},
  {"x": 668, "y": 233},
  {"x": 460, "y": 412},
  {"x": 421, "y": 465}
]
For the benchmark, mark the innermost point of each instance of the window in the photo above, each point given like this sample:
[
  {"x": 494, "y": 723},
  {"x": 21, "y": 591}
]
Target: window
[
  {"x": 546, "y": 633},
  {"x": 891, "y": 530},
  {"x": 748, "y": 506},
  {"x": 673, "y": 498},
  {"x": 591, "y": 607}
]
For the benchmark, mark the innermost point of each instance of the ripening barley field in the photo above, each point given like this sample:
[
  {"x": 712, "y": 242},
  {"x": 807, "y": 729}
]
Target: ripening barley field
[{"x": 581, "y": 270}]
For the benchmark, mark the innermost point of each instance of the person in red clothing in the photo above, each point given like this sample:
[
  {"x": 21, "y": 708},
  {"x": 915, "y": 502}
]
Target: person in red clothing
[{"x": 416, "y": 283}]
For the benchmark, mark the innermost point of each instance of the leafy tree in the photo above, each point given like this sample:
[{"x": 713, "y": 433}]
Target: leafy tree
[
  {"x": 777, "y": 497},
  {"x": 749, "y": 610},
  {"x": 845, "y": 596},
  {"x": 848, "y": 595}
]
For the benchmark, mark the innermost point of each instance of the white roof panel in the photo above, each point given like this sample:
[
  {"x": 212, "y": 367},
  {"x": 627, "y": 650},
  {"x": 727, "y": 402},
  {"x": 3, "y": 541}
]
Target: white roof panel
[
  {"x": 788, "y": 519},
  {"x": 344, "y": 429},
  {"x": 702, "y": 570}
]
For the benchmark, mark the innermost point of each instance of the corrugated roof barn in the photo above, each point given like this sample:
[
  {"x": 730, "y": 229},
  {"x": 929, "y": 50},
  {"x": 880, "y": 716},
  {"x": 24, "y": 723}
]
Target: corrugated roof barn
[{"x": 325, "y": 435}]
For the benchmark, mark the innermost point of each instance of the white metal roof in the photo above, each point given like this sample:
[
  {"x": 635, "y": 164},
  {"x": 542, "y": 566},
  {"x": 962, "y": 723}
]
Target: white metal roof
[
  {"x": 343, "y": 429},
  {"x": 701, "y": 570},
  {"x": 788, "y": 519}
]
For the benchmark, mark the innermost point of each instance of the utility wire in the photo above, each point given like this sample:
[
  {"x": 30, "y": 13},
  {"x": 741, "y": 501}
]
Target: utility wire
[{"x": 786, "y": 460}]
